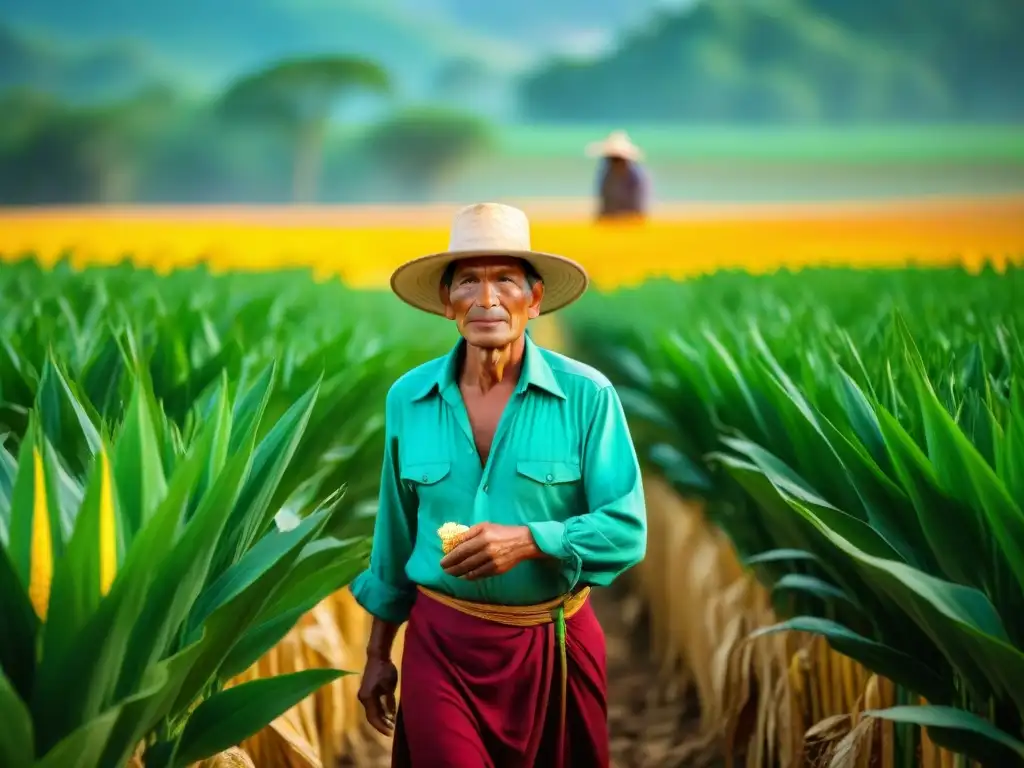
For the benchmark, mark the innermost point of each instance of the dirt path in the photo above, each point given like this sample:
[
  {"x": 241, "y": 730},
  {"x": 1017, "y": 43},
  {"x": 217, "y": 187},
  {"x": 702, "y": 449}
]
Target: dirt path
[{"x": 653, "y": 717}]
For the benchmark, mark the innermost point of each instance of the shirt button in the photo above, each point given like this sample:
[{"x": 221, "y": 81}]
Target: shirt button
[
  {"x": 425, "y": 478},
  {"x": 550, "y": 478},
  {"x": 485, "y": 489}
]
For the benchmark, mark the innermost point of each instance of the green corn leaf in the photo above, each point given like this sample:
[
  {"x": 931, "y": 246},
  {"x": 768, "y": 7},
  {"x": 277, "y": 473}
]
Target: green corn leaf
[
  {"x": 901, "y": 668},
  {"x": 179, "y": 576},
  {"x": 250, "y": 516},
  {"x": 888, "y": 623},
  {"x": 142, "y": 711},
  {"x": 77, "y": 686},
  {"x": 958, "y": 462},
  {"x": 8, "y": 474},
  {"x": 811, "y": 585},
  {"x": 259, "y": 639},
  {"x": 141, "y": 482},
  {"x": 19, "y": 626},
  {"x": 231, "y": 604},
  {"x": 23, "y": 507},
  {"x": 17, "y": 748},
  {"x": 324, "y": 566},
  {"x": 959, "y": 620},
  {"x": 103, "y": 376},
  {"x": 233, "y": 715},
  {"x": 64, "y": 418},
  {"x": 965, "y": 732},
  {"x": 249, "y": 408},
  {"x": 83, "y": 747},
  {"x": 271, "y": 548},
  {"x": 780, "y": 555},
  {"x": 76, "y": 590}
]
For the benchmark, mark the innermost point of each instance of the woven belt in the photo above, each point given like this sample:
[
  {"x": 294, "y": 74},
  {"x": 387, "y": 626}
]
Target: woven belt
[{"x": 553, "y": 611}]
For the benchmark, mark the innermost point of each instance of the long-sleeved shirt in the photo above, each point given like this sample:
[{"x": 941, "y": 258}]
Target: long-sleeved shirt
[{"x": 562, "y": 463}]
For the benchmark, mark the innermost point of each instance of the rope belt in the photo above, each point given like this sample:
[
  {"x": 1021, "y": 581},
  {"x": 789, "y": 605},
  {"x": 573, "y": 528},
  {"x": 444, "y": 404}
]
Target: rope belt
[{"x": 556, "y": 611}]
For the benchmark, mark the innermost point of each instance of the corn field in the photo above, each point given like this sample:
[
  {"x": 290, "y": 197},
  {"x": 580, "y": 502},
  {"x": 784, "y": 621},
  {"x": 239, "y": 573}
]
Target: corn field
[
  {"x": 190, "y": 433},
  {"x": 859, "y": 437},
  {"x": 180, "y": 484}
]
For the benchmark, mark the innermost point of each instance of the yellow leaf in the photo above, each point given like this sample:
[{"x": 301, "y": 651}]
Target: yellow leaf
[
  {"x": 108, "y": 540},
  {"x": 41, "y": 572}
]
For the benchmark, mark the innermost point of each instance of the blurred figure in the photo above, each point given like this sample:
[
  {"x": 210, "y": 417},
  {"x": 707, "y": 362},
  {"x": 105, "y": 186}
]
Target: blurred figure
[{"x": 622, "y": 184}]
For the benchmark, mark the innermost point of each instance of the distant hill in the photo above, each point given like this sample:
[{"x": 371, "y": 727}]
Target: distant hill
[
  {"x": 208, "y": 42},
  {"x": 798, "y": 62}
]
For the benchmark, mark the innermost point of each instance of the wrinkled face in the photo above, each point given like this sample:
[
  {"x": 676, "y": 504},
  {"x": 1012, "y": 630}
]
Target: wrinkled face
[{"x": 490, "y": 300}]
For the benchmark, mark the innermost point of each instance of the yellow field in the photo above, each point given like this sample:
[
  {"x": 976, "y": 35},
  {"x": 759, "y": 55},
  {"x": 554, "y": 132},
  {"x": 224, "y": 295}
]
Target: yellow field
[{"x": 363, "y": 245}]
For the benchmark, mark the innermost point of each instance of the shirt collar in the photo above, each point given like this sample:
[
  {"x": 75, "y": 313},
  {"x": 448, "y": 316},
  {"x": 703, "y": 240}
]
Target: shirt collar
[{"x": 536, "y": 372}]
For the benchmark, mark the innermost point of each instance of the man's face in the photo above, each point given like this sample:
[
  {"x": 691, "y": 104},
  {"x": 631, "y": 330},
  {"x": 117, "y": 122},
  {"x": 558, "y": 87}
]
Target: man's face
[{"x": 491, "y": 300}]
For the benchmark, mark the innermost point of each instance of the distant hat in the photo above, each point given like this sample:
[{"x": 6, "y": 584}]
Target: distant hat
[
  {"x": 489, "y": 229},
  {"x": 617, "y": 144}
]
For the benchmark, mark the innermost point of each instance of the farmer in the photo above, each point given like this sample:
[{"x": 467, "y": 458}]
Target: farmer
[
  {"x": 622, "y": 185},
  {"x": 503, "y": 661}
]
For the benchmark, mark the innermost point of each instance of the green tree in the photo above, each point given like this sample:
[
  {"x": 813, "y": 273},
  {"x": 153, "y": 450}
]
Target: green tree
[
  {"x": 53, "y": 152},
  {"x": 297, "y": 97},
  {"x": 419, "y": 146}
]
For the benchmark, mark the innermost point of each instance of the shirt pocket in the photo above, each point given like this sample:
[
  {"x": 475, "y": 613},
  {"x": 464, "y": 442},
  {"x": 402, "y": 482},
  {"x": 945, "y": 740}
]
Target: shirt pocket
[
  {"x": 424, "y": 478},
  {"x": 551, "y": 486}
]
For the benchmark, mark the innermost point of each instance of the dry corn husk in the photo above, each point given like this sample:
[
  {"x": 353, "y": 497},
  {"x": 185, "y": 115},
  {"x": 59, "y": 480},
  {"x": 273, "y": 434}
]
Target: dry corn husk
[
  {"x": 451, "y": 535},
  {"x": 230, "y": 758},
  {"x": 330, "y": 724},
  {"x": 785, "y": 699}
]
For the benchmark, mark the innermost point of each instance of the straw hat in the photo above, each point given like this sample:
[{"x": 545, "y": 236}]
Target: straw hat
[
  {"x": 488, "y": 229},
  {"x": 617, "y": 144}
]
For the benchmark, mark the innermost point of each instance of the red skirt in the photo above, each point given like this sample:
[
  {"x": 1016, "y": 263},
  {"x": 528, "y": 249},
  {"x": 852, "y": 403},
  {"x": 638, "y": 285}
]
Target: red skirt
[{"x": 476, "y": 694}]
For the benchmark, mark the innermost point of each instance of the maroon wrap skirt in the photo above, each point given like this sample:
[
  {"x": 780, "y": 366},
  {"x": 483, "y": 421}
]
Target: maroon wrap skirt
[{"x": 476, "y": 694}]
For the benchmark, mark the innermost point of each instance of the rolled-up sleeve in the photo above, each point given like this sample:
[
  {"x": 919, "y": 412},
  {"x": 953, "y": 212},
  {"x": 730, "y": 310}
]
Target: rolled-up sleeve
[
  {"x": 598, "y": 545},
  {"x": 383, "y": 589}
]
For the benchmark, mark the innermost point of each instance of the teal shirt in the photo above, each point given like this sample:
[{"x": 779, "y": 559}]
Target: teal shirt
[{"x": 561, "y": 462}]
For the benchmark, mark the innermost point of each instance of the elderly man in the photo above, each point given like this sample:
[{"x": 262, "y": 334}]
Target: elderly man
[{"x": 527, "y": 453}]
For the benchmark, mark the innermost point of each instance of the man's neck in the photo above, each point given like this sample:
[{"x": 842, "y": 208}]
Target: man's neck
[{"x": 486, "y": 368}]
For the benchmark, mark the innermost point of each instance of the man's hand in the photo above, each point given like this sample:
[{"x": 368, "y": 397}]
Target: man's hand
[
  {"x": 377, "y": 693},
  {"x": 488, "y": 549}
]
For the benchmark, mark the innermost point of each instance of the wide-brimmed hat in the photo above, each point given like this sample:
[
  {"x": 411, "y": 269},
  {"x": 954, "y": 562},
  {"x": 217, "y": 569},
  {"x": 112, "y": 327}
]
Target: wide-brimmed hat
[
  {"x": 488, "y": 229},
  {"x": 617, "y": 144}
]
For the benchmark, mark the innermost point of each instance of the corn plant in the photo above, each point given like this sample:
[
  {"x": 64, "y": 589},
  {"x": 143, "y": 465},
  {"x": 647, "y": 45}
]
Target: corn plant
[
  {"x": 131, "y": 598},
  {"x": 187, "y": 466},
  {"x": 861, "y": 439},
  {"x": 187, "y": 329}
]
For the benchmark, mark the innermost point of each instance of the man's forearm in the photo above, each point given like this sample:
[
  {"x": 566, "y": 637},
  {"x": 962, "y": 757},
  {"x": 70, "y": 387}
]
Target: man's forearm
[{"x": 382, "y": 637}]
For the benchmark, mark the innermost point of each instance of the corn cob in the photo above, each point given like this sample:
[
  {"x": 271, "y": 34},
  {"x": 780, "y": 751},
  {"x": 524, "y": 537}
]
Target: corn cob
[{"x": 451, "y": 535}]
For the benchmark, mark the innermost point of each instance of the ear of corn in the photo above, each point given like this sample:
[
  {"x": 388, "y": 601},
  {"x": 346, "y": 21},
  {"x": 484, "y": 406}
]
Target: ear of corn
[{"x": 451, "y": 536}]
